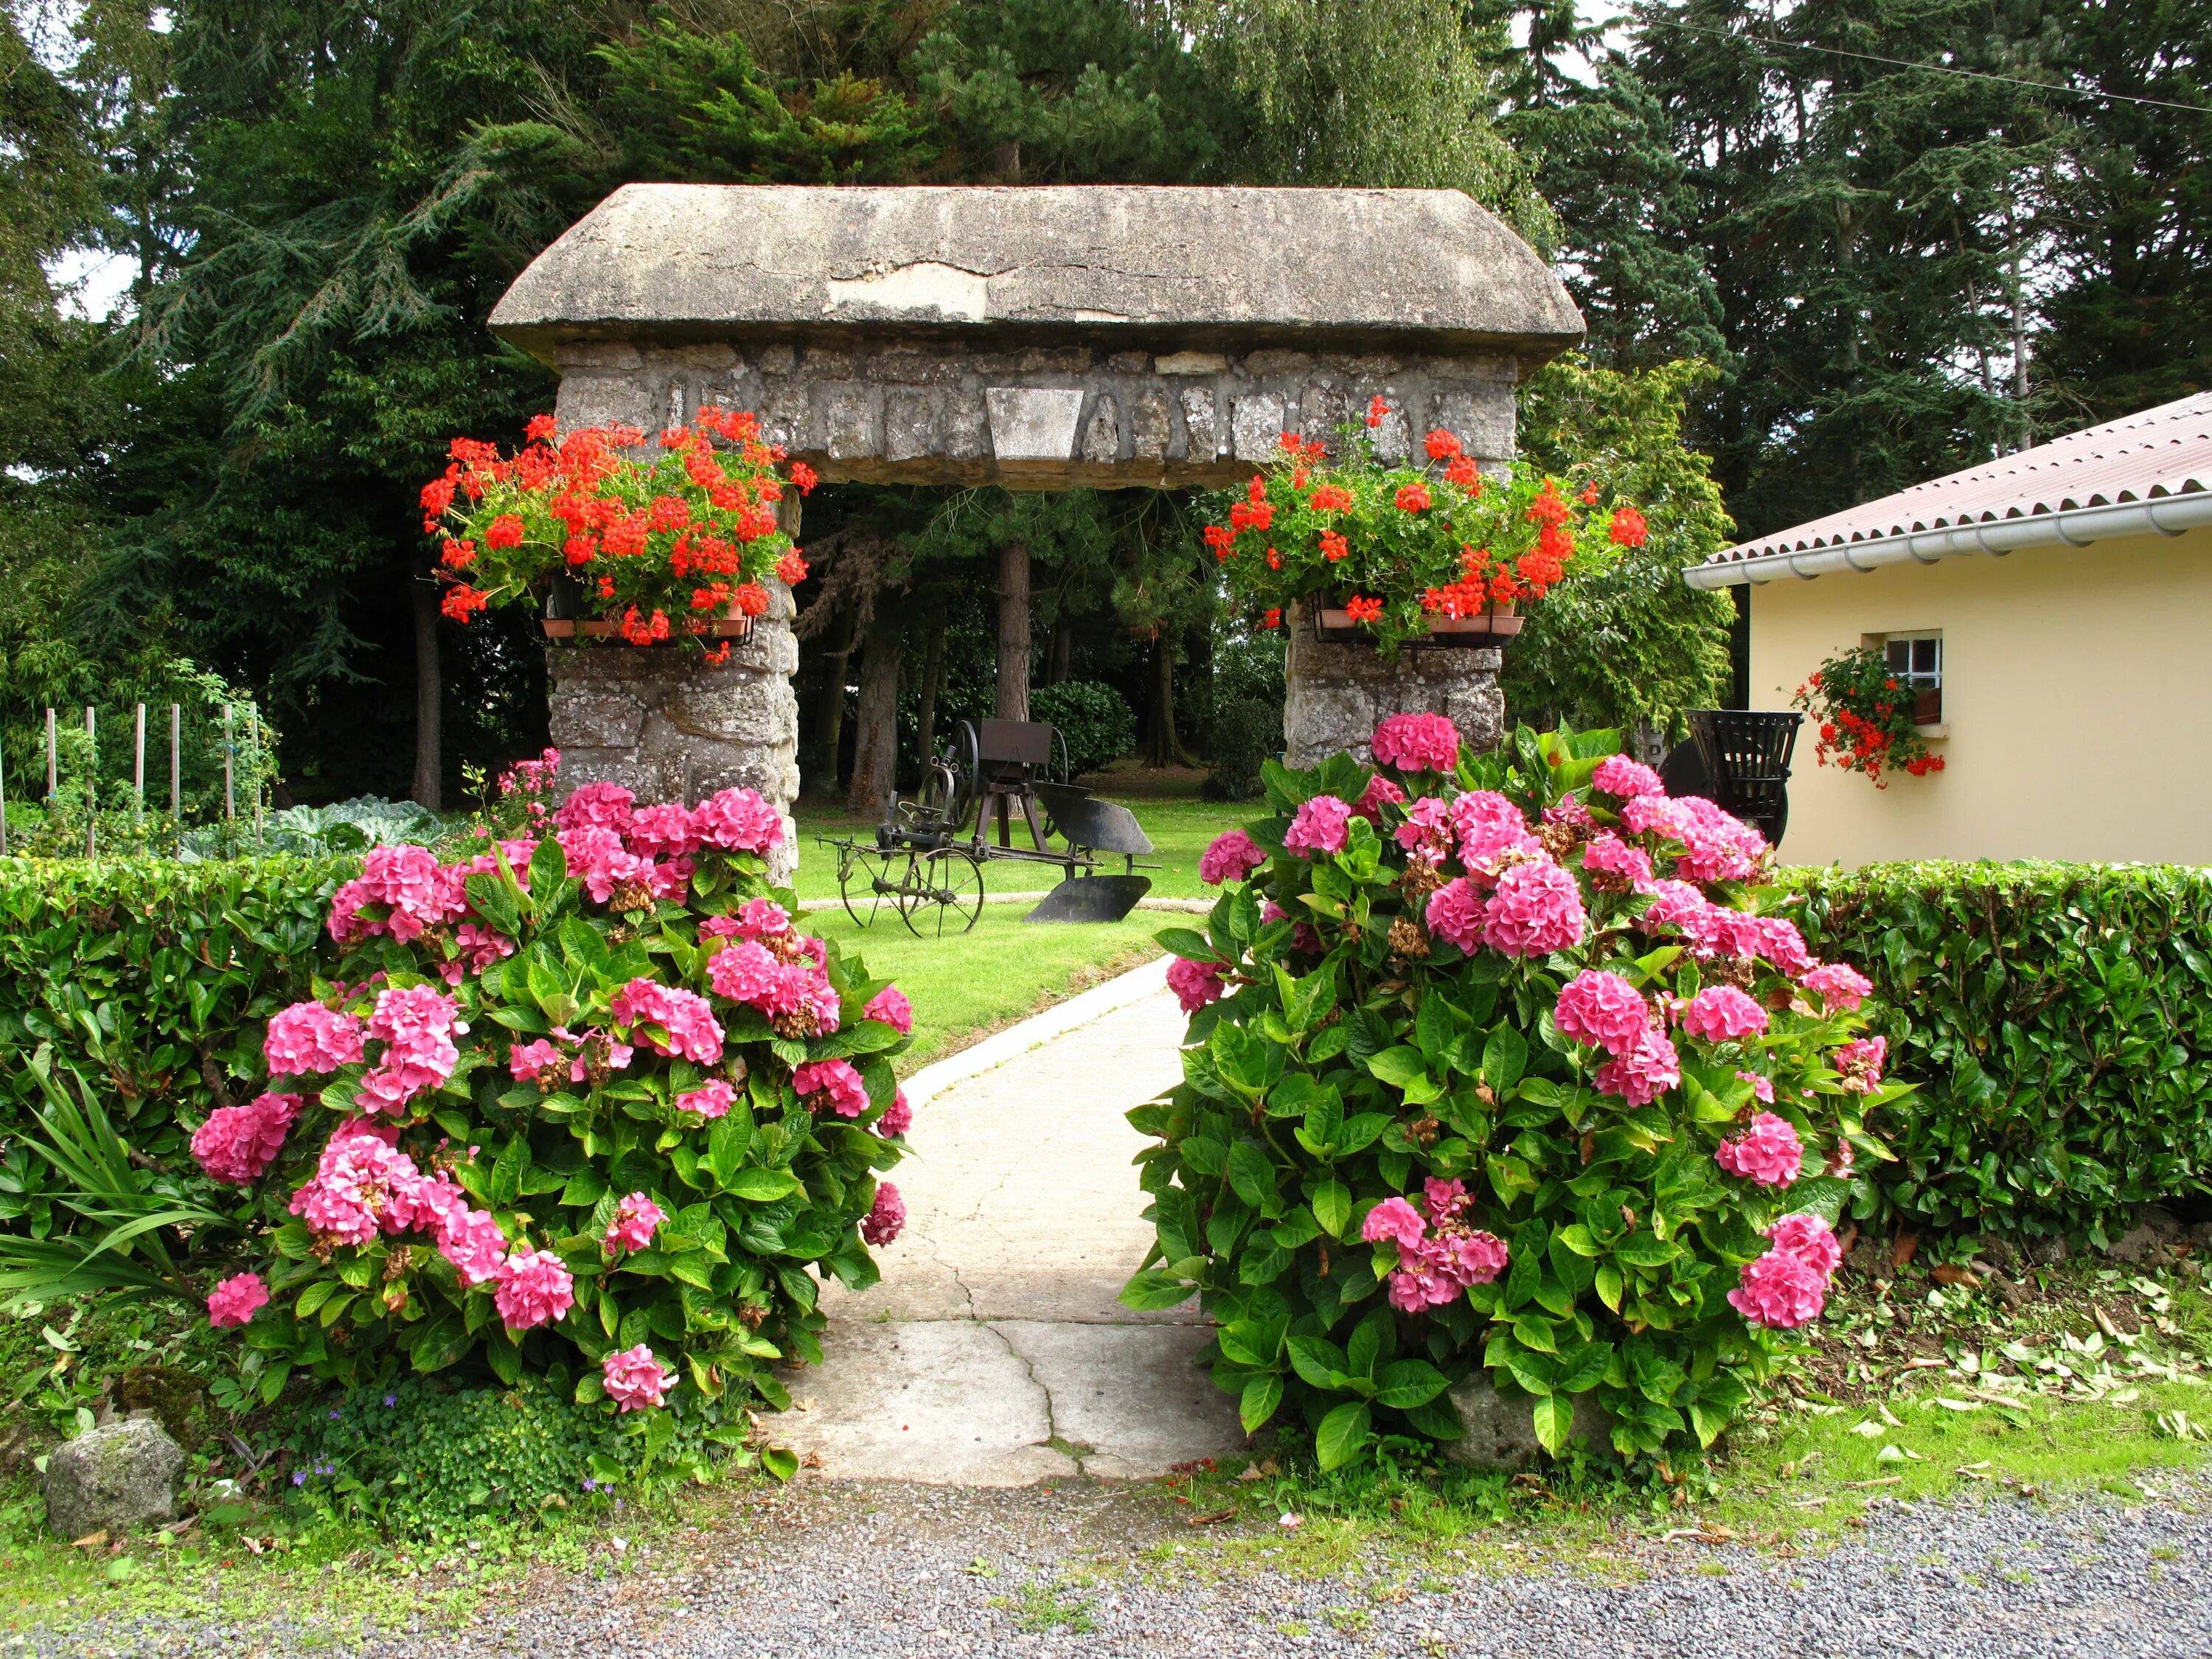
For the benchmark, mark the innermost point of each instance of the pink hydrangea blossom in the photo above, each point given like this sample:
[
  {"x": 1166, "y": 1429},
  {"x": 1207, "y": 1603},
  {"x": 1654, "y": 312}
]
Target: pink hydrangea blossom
[
  {"x": 1780, "y": 943},
  {"x": 1396, "y": 1219},
  {"x": 1537, "y": 910},
  {"x": 1231, "y": 856},
  {"x": 847, "y": 1095},
  {"x": 1318, "y": 826},
  {"x": 1768, "y": 1151},
  {"x": 1649, "y": 814},
  {"x": 711, "y": 1098},
  {"x": 1859, "y": 1064},
  {"x": 409, "y": 887},
  {"x": 1640, "y": 1074},
  {"x": 886, "y": 1217},
  {"x": 534, "y": 1289},
  {"x": 361, "y": 1185},
  {"x": 1443, "y": 1201},
  {"x": 1473, "y": 1258},
  {"x": 738, "y": 821},
  {"x": 786, "y": 991},
  {"x": 1762, "y": 1086},
  {"x": 1417, "y": 743},
  {"x": 636, "y": 1218},
  {"x": 691, "y": 1032},
  {"x": 1675, "y": 906},
  {"x": 236, "y": 1300},
  {"x": 1491, "y": 847},
  {"x": 415, "y": 1024},
  {"x": 1569, "y": 810},
  {"x": 1810, "y": 1239},
  {"x": 1716, "y": 846},
  {"x": 1722, "y": 1013},
  {"x": 889, "y": 1005},
  {"x": 755, "y": 919},
  {"x": 599, "y": 858},
  {"x": 595, "y": 1047},
  {"x": 1619, "y": 776},
  {"x": 1841, "y": 988},
  {"x": 237, "y": 1142},
  {"x": 471, "y": 1241},
  {"x": 1435, "y": 1272},
  {"x": 540, "y": 1061},
  {"x": 1604, "y": 1009},
  {"x": 1454, "y": 913},
  {"x": 1427, "y": 830},
  {"x": 664, "y": 830},
  {"x": 898, "y": 1117},
  {"x": 596, "y": 806},
  {"x": 635, "y": 1379},
  {"x": 1779, "y": 1290},
  {"x": 1196, "y": 983},
  {"x": 1607, "y": 855},
  {"x": 476, "y": 948},
  {"x": 309, "y": 1040},
  {"x": 1379, "y": 793}
]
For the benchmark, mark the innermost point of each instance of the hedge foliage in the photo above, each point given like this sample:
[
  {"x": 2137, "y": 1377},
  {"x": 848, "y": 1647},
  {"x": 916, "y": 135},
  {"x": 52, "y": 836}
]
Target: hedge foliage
[
  {"x": 2058, "y": 1019},
  {"x": 153, "y": 978}
]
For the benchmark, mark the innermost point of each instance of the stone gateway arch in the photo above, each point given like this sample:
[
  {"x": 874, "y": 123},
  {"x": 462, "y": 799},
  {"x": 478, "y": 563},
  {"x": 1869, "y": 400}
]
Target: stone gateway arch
[{"x": 1035, "y": 337}]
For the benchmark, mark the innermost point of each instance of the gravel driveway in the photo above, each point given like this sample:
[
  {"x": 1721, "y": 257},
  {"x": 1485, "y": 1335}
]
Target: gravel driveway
[{"x": 856, "y": 1570}]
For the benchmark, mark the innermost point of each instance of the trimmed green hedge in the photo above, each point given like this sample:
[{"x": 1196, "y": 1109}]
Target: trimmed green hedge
[
  {"x": 2058, "y": 1019},
  {"x": 153, "y": 978}
]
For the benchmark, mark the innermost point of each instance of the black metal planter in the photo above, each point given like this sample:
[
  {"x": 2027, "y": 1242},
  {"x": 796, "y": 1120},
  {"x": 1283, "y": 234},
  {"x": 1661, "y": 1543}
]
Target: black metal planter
[{"x": 1738, "y": 759}]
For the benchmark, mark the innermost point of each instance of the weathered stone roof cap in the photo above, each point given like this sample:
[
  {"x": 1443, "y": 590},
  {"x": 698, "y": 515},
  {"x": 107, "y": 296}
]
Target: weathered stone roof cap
[{"x": 1187, "y": 260}]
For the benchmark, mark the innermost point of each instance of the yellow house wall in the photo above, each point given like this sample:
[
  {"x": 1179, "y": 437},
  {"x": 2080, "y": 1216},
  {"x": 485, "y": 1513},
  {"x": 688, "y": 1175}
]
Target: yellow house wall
[{"x": 2077, "y": 692}]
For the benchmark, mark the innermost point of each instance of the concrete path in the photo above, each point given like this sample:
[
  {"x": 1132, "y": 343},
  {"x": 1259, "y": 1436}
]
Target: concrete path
[{"x": 995, "y": 1352}]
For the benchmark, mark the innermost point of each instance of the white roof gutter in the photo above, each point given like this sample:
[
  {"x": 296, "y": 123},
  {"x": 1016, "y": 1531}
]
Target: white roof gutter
[{"x": 2167, "y": 515}]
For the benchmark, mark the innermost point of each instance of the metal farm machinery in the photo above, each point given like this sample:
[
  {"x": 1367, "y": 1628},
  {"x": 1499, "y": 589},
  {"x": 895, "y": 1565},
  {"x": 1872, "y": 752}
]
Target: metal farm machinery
[{"x": 927, "y": 861}]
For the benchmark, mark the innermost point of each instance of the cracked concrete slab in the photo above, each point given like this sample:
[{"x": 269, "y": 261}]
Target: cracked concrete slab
[{"x": 996, "y": 1351}]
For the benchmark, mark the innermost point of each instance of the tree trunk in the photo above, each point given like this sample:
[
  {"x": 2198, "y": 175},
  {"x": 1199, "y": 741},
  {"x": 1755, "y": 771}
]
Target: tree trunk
[
  {"x": 829, "y": 706},
  {"x": 1012, "y": 703},
  {"x": 875, "y": 744},
  {"x": 430, "y": 709},
  {"x": 932, "y": 676},
  {"x": 1057, "y": 658},
  {"x": 1163, "y": 749}
]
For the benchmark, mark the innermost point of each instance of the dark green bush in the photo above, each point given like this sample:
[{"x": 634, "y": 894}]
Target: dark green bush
[
  {"x": 152, "y": 977},
  {"x": 414, "y": 1456},
  {"x": 1094, "y": 720},
  {"x": 2058, "y": 1019},
  {"x": 1247, "y": 734}
]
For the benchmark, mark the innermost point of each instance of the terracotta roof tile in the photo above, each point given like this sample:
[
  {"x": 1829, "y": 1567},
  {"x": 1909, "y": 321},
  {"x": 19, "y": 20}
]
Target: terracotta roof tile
[{"x": 2166, "y": 451}]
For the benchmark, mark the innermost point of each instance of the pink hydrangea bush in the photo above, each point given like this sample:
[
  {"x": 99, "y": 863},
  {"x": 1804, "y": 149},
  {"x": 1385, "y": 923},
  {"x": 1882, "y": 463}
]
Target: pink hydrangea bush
[
  {"x": 580, "y": 1101},
  {"x": 1502, "y": 1071}
]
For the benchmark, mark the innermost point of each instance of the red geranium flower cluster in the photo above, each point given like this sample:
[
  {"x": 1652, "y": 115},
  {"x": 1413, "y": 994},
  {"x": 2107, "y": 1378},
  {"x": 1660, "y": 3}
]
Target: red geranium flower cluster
[
  {"x": 664, "y": 544},
  {"x": 1398, "y": 544},
  {"x": 1864, "y": 718}
]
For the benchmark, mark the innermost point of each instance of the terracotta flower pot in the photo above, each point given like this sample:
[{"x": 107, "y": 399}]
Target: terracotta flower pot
[
  {"x": 727, "y": 627},
  {"x": 1333, "y": 625}
]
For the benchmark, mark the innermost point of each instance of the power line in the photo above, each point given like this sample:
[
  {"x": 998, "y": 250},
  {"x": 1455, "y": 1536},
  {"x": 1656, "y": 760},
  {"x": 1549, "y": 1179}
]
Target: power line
[{"x": 1934, "y": 68}]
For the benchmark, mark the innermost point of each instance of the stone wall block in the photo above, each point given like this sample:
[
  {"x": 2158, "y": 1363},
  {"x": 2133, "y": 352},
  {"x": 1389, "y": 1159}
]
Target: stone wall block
[
  {"x": 776, "y": 358},
  {"x": 823, "y": 362},
  {"x": 1321, "y": 411},
  {"x": 1130, "y": 362},
  {"x": 1277, "y": 362},
  {"x": 967, "y": 425},
  {"x": 787, "y": 414},
  {"x": 603, "y": 400},
  {"x": 1192, "y": 362},
  {"x": 1480, "y": 415},
  {"x": 910, "y": 425},
  {"x": 1338, "y": 693},
  {"x": 1198, "y": 419},
  {"x": 573, "y": 355},
  {"x": 1256, "y": 426},
  {"x": 851, "y": 421},
  {"x": 1150, "y": 426},
  {"x": 1390, "y": 440},
  {"x": 1033, "y": 423},
  {"x": 1102, "y": 434}
]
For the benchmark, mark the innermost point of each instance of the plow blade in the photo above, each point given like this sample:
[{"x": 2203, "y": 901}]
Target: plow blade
[{"x": 1092, "y": 898}]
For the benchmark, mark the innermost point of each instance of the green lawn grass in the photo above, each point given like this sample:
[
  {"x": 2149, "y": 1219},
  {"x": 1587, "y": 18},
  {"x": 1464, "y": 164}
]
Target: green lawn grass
[{"x": 965, "y": 986}]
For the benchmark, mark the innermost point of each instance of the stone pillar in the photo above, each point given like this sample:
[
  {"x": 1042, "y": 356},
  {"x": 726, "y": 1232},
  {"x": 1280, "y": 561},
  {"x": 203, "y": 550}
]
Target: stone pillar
[
  {"x": 1338, "y": 693},
  {"x": 661, "y": 722}
]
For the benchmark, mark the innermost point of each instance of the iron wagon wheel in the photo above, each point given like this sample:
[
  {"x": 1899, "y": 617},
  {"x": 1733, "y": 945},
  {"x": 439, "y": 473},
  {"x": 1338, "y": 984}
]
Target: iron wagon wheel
[
  {"x": 936, "y": 806},
  {"x": 945, "y": 894},
  {"x": 865, "y": 882}
]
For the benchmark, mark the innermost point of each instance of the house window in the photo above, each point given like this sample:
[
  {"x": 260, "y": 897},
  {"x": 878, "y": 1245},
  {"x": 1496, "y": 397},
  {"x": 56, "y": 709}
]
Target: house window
[{"x": 1917, "y": 660}]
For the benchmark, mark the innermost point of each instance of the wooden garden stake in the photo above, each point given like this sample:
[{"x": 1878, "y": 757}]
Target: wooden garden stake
[
  {"x": 3, "y": 809},
  {"x": 53, "y": 759},
  {"x": 138, "y": 770},
  {"x": 177, "y": 769},
  {"x": 229, "y": 753},
  {"x": 91, "y": 781}
]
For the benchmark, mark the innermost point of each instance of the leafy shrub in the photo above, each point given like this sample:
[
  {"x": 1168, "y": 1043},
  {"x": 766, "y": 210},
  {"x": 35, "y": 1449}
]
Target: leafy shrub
[
  {"x": 1246, "y": 736},
  {"x": 153, "y": 977},
  {"x": 2059, "y": 1016},
  {"x": 1094, "y": 721},
  {"x": 352, "y": 826},
  {"x": 590, "y": 1103},
  {"x": 415, "y": 1456},
  {"x": 1400, "y": 1155}
]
